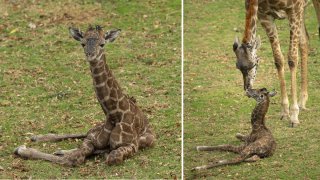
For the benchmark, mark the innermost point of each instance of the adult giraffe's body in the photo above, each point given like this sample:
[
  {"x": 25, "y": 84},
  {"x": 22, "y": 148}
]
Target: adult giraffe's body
[{"x": 267, "y": 11}]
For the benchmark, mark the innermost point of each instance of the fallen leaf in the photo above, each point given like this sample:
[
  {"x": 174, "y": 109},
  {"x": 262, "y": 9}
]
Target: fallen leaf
[
  {"x": 32, "y": 26},
  {"x": 13, "y": 31},
  {"x": 5, "y": 103}
]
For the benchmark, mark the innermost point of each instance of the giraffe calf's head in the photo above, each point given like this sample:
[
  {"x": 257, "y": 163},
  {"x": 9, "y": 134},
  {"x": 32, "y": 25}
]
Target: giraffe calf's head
[
  {"x": 260, "y": 95},
  {"x": 247, "y": 60},
  {"x": 93, "y": 40}
]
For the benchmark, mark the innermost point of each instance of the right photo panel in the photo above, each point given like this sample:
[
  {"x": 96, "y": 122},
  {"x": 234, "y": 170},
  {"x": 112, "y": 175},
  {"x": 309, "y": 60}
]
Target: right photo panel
[{"x": 251, "y": 89}]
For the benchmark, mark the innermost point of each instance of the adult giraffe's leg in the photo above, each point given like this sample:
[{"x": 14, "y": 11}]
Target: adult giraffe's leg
[
  {"x": 304, "y": 50},
  {"x": 268, "y": 24},
  {"x": 316, "y": 4},
  {"x": 295, "y": 19}
]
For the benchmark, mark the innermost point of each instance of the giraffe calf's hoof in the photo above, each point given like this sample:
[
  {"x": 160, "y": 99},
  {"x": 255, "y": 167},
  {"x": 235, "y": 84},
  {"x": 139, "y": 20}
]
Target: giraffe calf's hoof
[
  {"x": 114, "y": 159},
  {"x": 19, "y": 149},
  {"x": 33, "y": 138},
  {"x": 239, "y": 136},
  {"x": 59, "y": 153}
]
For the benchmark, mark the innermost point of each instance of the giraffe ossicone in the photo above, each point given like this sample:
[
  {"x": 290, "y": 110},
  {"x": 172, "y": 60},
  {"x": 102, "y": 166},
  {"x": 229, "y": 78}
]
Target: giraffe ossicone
[{"x": 125, "y": 129}]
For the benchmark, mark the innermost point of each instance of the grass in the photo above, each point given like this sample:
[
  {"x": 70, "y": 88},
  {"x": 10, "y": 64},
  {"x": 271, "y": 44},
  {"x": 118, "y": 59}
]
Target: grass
[
  {"x": 215, "y": 105},
  {"x": 45, "y": 84}
]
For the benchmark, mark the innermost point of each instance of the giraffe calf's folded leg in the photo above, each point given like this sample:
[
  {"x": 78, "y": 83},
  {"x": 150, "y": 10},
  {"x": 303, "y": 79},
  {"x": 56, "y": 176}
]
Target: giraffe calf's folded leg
[
  {"x": 78, "y": 156},
  {"x": 146, "y": 140},
  {"x": 118, "y": 155},
  {"x": 241, "y": 137},
  {"x": 56, "y": 137}
]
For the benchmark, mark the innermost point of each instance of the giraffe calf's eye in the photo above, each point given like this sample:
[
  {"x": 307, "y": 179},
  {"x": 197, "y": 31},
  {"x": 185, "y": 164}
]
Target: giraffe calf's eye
[
  {"x": 83, "y": 45},
  {"x": 101, "y": 45}
]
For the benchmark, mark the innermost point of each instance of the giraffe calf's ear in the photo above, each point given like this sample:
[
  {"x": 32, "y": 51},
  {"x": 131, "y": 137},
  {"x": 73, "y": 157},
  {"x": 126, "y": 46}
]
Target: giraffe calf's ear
[
  {"x": 75, "y": 33},
  {"x": 235, "y": 44},
  {"x": 111, "y": 35},
  {"x": 272, "y": 93}
]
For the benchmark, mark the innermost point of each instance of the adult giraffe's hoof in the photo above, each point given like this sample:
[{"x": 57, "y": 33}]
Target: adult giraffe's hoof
[
  {"x": 294, "y": 124},
  {"x": 284, "y": 117},
  {"x": 303, "y": 107}
]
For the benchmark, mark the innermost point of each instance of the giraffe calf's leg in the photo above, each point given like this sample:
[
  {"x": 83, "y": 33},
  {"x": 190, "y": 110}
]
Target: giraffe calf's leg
[
  {"x": 147, "y": 139},
  {"x": 31, "y": 153},
  {"x": 56, "y": 137},
  {"x": 61, "y": 152},
  {"x": 228, "y": 162},
  {"x": 78, "y": 156},
  {"x": 220, "y": 163},
  {"x": 229, "y": 148},
  {"x": 241, "y": 137},
  {"x": 252, "y": 159},
  {"x": 67, "y": 152},
  {"x": 118, "y": 155}
]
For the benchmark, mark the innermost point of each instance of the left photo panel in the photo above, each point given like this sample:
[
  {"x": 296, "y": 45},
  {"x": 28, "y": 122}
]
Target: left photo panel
[{"x": 90, "y": 89}]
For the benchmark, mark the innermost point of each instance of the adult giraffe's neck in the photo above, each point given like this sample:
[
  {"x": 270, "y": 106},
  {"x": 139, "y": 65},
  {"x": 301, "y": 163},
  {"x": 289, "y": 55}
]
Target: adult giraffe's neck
[
  {"x": 258, "y": 115},
  {"x": 107, "y": 89},
  {"x": 251, "y": 21}
]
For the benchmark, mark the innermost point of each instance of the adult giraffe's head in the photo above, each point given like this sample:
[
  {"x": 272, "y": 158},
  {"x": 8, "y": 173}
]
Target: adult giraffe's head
[
  {"x": 93, "y": 40},
  {"x": 247, "y": 60}
]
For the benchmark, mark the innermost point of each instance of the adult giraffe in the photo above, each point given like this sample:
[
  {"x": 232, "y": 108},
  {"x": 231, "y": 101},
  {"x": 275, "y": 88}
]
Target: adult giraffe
[{"x": 267, "y": 11}]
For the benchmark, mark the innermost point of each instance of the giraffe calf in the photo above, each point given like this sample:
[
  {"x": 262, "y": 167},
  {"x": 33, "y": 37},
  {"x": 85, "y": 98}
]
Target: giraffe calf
[
  {"x": 258, "y": 144},
  {"x": 125, "y": 130}
]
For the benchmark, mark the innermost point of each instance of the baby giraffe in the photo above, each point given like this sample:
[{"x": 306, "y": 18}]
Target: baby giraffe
[
  {"x": 125, "y": 129},
  {"x": 258, "y": 144}
]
